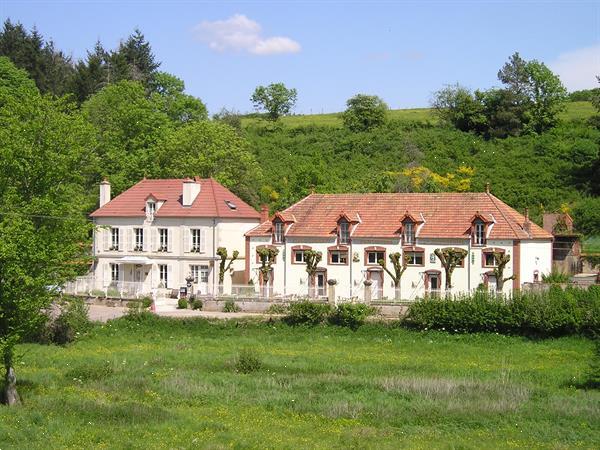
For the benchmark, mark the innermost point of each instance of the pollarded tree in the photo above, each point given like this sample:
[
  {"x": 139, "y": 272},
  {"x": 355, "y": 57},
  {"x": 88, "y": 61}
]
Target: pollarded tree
[
  {"x": 224, "y": 266},
  {"x": 364, "y": 112},
  {"x": 275, "y": 99},
  {"x": 450, "y": 257},
  {"x": 399, "y": 264},
  {"x": 312, "y": 259},
  {"x": 267, "y": 257},
  {"x": 501, "y": 262},
  {"x": 44, "y": 162}
]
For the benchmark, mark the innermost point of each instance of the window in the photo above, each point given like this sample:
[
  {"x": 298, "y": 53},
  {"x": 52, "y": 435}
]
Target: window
[
  {"x": 408, "y": 233},
  {"x": 163, "y": 239},
  {"x": 299, "y": 257},
  {"x": 114, "y": 233},
  {"x": 338, "y": 257},
  {"x": 231, "y": 205},
  {"x": 278, "y": 234},
  {"x": 489, "y": 260},
  {"x": 479, "y": 233},
  {"x": 199, "y": 273},
  {"x": 163, "y": 274},
  {"x": 150, "y": 208},
  {"x": 375, "y": 257},
  {"x": 344, "y": 232},
  {"x": 415, "y": 258},
  {"x": 196, "y": 240},
  {"x": 114, "y": 272},
  {"x": 139, "y": 240}
]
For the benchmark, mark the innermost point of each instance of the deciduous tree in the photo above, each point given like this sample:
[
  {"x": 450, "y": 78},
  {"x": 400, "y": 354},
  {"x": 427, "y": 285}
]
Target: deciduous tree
[
  {"x": 364, "y": 112},
  {"x": 275, "y": 99},
  {"x": 450, "y": 257},
  {"x": 399, "y": 264}
]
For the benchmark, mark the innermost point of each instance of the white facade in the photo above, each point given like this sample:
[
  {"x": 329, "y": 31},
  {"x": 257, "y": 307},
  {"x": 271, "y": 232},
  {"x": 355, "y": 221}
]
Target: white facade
[
  {"x": 190, "y": 248},
  {"x": 291, "y": 278}
]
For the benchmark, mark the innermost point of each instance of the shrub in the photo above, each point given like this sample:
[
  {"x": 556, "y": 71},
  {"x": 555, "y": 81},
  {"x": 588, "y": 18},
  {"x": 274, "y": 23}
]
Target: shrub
[
  {"x": 197, "y": 304},
  {"x": 553, "y": 313},
  {"x": 307, "y": 312},
  {"x": 351, "y": 315},
  {"x": 555, "y": 277},
  {"x": 182, "y": 303},
  {"x": 230, "y": 306},
  {"x": 277, "y": 309},
  {"x": 248, "y": 361},
  {"x": 72, "y": 322},
  {"x": 136, "y": 312},
  {"x": 147, "y": 302}
]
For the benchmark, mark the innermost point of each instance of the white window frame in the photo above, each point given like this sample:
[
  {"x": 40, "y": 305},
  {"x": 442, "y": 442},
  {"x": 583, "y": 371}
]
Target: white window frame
[
  {"x": 376, "y": 253},
  {"x": 278, "y": 233},
  {"x": 150, "y": 207},
  {"x": 479, "y": 233},
  {"x": 138, "y": 239},
  {"x": 408, "y": 233},
  {"x": 485, "y": 257},
  {"x": 204, "y": 273},
  {"x": 114, "y": 239},
  {"x": 302, "y": 257},
  {"x": 197, "y": 240},
  {"x": 344, "y": 232},
  {"x": 163, "y": 274},
  {"x": 411, "y": 256},
  {"x": 339, "y": 254},
  {"x": 115, "y": 273},
  {"x": 163, "y": 239}
]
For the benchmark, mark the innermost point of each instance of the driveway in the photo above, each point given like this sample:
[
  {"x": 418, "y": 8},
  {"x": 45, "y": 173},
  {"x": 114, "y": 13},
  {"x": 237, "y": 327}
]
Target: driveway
[{"x": 103, "y": 313}]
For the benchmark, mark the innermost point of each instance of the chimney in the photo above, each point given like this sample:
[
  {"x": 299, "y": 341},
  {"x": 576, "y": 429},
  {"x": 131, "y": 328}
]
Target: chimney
[
  {"x": 527, "y": 224},
  {"x": 191, "y": 189},
  {"x": 104, "y": 192},
  {"x": 264, "y": 213},
  {"x": 487, "y": 187}
]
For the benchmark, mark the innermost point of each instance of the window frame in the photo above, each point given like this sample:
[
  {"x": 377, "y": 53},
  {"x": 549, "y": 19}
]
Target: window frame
[
  {"x": 344, "y": 232},
  {"x": 163, "y": 244},
  {"x": 339, "y": 254},
  {"x": 195, "y": 240},
  {"x": 115, "y": 239},
  {"x": 163, "y": 276},
  {"x": 406, "y": 224},
  {"x": 479, "y": 239},
  {"x": 115, "y": 272},
  {"x": 278, "y": 232},
  {"x": 369, "y": 252},
  {"x": 408, "y": 253},
  {"x": 138, "y": 234}
]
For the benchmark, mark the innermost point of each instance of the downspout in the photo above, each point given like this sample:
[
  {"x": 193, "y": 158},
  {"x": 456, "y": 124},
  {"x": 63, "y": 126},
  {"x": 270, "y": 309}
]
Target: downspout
[
  {"x": 214, "y": 255},
  {"x": 285, "y": 266},
  {"x": 469, "y": 265},
  {"x": 351, "y": 262}
]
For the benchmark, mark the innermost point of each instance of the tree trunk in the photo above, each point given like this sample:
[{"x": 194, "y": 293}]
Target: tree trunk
[
  {"x": 397, "y": 294},
  {"x": 11, "y": 396},
  {"x": 448, "y": 278}
]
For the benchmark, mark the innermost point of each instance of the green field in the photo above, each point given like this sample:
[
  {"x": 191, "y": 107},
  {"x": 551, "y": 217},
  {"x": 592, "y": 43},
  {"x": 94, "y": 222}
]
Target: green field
[
  {"x": 591, "y": 245},
  {"x": 172, "y": 384},
  {"x": 573, "y": 111}
]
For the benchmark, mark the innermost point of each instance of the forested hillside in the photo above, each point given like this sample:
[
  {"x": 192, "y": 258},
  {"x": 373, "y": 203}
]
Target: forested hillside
[{"x": 141, "y": 122}]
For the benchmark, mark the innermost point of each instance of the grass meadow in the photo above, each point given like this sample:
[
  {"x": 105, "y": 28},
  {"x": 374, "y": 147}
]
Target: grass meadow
[
  {"x": 167, "y": 383},
  {"x": 573, "y": 111}
]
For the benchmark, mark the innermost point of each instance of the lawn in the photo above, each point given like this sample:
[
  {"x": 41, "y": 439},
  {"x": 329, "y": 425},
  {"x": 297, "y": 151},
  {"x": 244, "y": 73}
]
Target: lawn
[
  {"x": 172, "y": 384},
  {"x": 591, "y": 245},
  {"x": 573, "y": 111}
]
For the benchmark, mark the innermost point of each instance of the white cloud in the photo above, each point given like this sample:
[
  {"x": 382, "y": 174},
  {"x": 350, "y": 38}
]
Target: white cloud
[
  {"x": 577, "y": 69},
  {"x": 241, "y": 34}
]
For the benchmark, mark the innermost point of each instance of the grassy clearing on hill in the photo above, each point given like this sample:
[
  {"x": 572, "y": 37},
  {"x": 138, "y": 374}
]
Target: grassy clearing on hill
[
  {"x": 574, "y": 111},
  {"x": 172, "y": 384}
]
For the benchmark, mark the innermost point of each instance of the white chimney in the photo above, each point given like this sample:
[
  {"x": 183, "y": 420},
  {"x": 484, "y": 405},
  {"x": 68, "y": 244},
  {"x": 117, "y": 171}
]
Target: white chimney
[
  {"x": 104, "y": 192},
  {"x": 191, "y": 189}
]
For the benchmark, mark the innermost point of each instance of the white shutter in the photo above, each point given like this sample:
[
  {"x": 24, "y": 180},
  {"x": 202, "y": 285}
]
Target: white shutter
[
  {"x": 147, "y": 239},
  {"x": 169, "y": 240},
  {"x": 106, "y": 275},
  {"x": 155, "y": 242},
  {"x": 129, "y": 239},
  {"x": 155, "y": 278},
  {"x": 106, "y": 236},
  {"x": 121, "y": 272},
  {"x": 170, "y": 276},
  {"x": 121, "y": 237},
  {"x": 186, "y": 239},
  {"x": 203, "y": 240}
]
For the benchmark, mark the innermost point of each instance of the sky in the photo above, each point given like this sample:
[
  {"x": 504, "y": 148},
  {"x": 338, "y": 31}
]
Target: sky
[{"x": 402, "y": 51}]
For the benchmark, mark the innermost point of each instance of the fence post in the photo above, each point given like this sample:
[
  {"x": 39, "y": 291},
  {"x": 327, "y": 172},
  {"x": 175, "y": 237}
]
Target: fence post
[
  {"x": 331, "y": 291},
  {"x": 368, "y": 284}
]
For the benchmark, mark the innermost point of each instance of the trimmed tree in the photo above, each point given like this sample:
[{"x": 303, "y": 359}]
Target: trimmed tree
[
  {"x": 399, "y": 264},
  {"x": 501, "y": 262},
  {"x": 312, "y": 259},
  {"x": 223, "y": 265},
  {"x": 450, "y": 258},
  {"x": 267, "y": 257}
]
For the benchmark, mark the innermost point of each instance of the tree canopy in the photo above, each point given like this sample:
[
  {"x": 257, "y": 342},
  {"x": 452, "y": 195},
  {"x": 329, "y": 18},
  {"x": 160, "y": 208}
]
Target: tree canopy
[
  {"x": 364, "y": 112},
  {"x": 276, "y": 99}
]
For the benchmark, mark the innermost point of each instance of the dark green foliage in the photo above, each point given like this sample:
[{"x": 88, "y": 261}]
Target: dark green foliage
[
  {"x": 182, "y": 303},
  {"x": 147, "y": 302},
  {"x": 554, "y": 313},
  {"x": 351, "y": 315},
  {"x": 592, "y": 380},
  {"x": 308, "y": 313},
  {"x": 584, "y": 95},
  {"x": 277, "y": 309},
  {"x": 71, "y": 323},
  {"x": 555, "y": 277},
  {"x": 248, "y": 361},
  {"x": 230, "y": 306},
  {"x": 197, "y": 304},
  {"x": 586, "y": 215},
  {"x": 275, "y": 99},
  {"x": 364, "y": 112}
]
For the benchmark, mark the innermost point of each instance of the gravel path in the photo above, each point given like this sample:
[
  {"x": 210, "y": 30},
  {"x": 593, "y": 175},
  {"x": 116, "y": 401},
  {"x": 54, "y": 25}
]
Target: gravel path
[{"x": 104, "y": 313}]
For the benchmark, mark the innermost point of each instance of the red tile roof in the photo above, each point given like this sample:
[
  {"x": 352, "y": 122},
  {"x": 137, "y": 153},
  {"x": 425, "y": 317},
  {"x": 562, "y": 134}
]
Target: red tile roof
[
  {"x": 210, "y": 202},
  {"x": 445, "y": 215}
]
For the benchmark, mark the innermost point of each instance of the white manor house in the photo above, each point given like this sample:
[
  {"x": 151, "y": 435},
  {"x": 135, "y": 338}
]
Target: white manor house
[{"x": 165, "y": 234}]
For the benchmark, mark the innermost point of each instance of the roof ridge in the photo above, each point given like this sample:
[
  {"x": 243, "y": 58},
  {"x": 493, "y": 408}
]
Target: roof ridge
[
  {"x": 493, "y": 198},
  {"x": 214, "y": 197}
]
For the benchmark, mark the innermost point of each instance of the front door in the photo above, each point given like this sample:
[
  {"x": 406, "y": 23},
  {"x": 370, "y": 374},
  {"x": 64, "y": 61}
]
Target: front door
[
  {"x": 492, "y": 285},
  {"x": 377, "y": 287},
  {"x": 434, "y": 284},
  {"x": 321, "y": 284}
]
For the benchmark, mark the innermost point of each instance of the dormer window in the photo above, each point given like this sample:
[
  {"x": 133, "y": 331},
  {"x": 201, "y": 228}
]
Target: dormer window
[
  {"x": 278, "y": 232},
  {"x": 344, "y": 233},
  {"x": 408, "y": 233},
  {"x": 478, "y": 233},
  {"x": 150, "y": 208}
]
